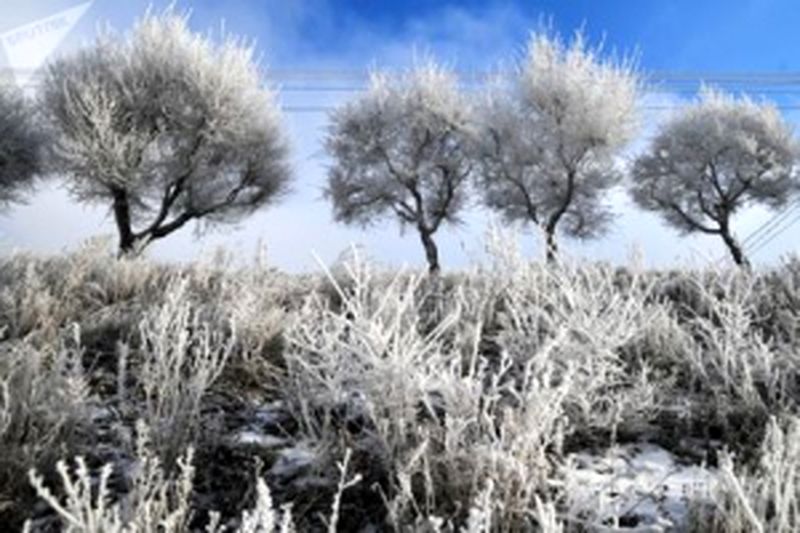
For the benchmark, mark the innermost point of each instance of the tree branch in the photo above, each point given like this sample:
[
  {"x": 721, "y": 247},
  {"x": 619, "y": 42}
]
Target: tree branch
[
  {"x": 174, "y": 189},
  {"x": 694, "y": 224},
  {"x": 529, "y": 207}
]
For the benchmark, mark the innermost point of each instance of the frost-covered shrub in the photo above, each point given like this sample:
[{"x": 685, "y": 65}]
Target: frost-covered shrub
[
  {"x": 728, "y": 372},
  {"x": 44, "y": 403},
  {"x": 177, "y": 358},
  {"x": 373, "y": 374},
  {"x": 575, "y": 320},
  {"x": 460, "y": 397},
  {"x": 729, "y": 354},
  {"x": 41, "y": 295},
  {"x": 439, "y": 413},
  {"x": 154, "y": 502},
  {"x": 160, "y": 502},
  {"x": 777, "y": 303},
  {"x": 764, "y": 497}
]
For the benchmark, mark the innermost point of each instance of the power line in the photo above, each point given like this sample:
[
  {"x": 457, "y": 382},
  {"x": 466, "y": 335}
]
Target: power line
[
  {"x": 765, "y": 229},
  {"x": 333, "y": 89},
  {"x": 777, "y": 233},
  {"x": 794, "y": 91},
  {"x": 483, "y": 75},
  {"x": 356, "y": 88},
  {"x": 658, "y": 78},
  {"x": 331, "y": 108},
  {"x": 766, "y": 232}
]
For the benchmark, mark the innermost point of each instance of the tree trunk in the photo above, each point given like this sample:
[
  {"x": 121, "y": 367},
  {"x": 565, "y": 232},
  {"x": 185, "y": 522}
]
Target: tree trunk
[
  {"x": 431, "y": 252},
  {"x": 552, "y": 222},
  {"x": 122, "y": 217},
  {"x": 550, "y": 242},
  {"x": 736, "y": 250}
]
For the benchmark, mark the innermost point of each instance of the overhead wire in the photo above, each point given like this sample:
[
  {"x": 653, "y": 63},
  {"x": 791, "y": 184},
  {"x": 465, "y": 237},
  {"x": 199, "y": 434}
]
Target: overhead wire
[
  {"x": 662, "y": 81},
  {"x": 768, "y": 226},
  {"x": 778, "y": 231}
]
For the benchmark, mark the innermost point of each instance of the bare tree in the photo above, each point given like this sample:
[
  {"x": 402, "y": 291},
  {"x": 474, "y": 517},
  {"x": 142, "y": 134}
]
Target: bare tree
[
  {"x": 167, "y": 127},
  {"x": 20, "y": 144},
  {"x": 713, "y": 158},
  {"x": 549, "y": 135},
  {"x": 400, "y": 150}
]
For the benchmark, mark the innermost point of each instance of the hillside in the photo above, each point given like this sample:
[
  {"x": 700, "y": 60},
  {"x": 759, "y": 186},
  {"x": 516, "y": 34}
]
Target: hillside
[{"x": 511, "y": 397}]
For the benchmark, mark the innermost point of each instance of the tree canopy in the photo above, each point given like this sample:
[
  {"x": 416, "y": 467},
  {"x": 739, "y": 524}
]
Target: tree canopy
[
  {"x": 167, "y": 127},
  {"x": 400, "y": 150},
  {"x": 713, "y": 158},
  {"x": 549, "y": 134},
  {"x": 20, "y": 144}
]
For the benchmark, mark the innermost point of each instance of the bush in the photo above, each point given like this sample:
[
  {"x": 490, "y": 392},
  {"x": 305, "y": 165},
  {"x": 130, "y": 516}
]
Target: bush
[{"x": 458, "y": 402}]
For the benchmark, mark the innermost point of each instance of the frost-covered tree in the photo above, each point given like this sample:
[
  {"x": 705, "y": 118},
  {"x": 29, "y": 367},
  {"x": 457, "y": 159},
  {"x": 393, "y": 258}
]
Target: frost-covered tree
[
  {"x": 167, "y": 127},
  {"x": 713, "y": 158},
  {"x": 549, "y": 135},
  {"x": 400, "y": 150},
  {"x": 20, "y": 144}
]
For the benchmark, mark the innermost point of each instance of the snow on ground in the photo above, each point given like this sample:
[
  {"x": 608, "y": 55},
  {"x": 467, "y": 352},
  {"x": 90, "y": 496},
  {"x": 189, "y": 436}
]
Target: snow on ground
[
  {"x": 637, "y": 488},
  {"x": 254, "y": 438}
]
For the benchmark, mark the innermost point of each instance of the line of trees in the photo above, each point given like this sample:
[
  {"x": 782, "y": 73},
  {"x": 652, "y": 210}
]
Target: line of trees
[
  {"x": 543, "y": 146},
  {"x": 167, "y": 127}
]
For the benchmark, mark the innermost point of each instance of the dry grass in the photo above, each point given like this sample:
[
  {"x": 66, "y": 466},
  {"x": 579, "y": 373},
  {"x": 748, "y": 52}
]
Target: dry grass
[{"x": 409, "y": 403}]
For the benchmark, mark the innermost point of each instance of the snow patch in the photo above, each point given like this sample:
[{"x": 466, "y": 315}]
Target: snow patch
[
  {"x": 641, "y": 488},
  {"x": 253, "y": 438},
  {"x": 292, "y": 461}
]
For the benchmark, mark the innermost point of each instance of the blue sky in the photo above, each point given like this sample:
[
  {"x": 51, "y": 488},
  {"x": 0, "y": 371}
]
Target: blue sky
[
  {"x": 331, "y": 36},
  {"x": 717, "y": 35}
]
